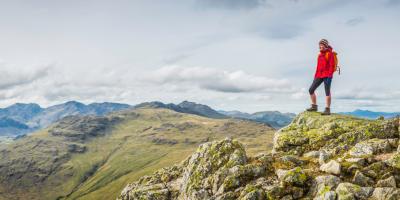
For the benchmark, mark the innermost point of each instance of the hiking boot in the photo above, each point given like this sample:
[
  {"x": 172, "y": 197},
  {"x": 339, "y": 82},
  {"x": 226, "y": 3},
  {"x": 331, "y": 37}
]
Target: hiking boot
[
  {"x": 314, "y": 107},
  {"x": 327, "y": 111}
]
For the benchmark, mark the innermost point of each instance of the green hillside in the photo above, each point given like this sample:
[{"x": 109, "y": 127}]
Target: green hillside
[{"x": 96, "y": 157}]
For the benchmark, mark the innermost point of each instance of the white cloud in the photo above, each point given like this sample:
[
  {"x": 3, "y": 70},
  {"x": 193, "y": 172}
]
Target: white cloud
[
  {"x": 368, "y": 94},
  {"x": 13, "y": 76},
  {"x": 217, "y": 80},
  {"x": 299, "y": 95}
]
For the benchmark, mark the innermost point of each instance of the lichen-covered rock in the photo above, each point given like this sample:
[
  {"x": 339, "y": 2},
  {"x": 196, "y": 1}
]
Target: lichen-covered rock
[
  {"x": 352, "y": 191},
  {"x": 312, "y": 154},
  {"x": 163, "y": 184},
  {"x": 322, "y": 185},
  {"x": 394, "y": 161},
  {"x": 386, "y": 193},
  {"x": 362, "y": 180},
  {"x": 332, "y": 167},
  {"x": 328, "y": 195},
  {"x": 388, "y": 182},
  {"x": 370, "y": 147},
  {"x": 294, "y": 177},
  {"x": 377, "y": 170},
  {"x": 358, "y": 161},
  {"x": 216, "y": 170},
  {"x": 323, "y": 157},
  {"x": 311, "y": 132},
  {"x": 221, "y": 159}
]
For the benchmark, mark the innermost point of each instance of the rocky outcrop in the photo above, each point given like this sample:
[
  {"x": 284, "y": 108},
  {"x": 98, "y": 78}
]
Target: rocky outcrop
[
  {"x": 315, "y": 157},
  {"x": 79, "y": 129},
  {"x": 215, "y": 170}
]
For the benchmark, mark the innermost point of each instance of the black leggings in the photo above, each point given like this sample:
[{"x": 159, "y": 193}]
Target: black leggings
[{"x": 317, "y": 81}]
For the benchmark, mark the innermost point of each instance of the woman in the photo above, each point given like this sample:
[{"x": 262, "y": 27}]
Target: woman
[{"x": 323, "y": 74}]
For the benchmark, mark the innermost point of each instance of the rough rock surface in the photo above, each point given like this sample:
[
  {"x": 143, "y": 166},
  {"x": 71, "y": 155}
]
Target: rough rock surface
[{"x": 315, "y": 157}]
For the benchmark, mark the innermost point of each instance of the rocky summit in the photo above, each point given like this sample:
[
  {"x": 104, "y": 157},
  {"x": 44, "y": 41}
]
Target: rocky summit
[{"x": 315, "y": 157}]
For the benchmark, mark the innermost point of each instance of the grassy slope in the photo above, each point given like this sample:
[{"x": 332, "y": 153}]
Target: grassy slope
[{"x": 139, "y": 146}]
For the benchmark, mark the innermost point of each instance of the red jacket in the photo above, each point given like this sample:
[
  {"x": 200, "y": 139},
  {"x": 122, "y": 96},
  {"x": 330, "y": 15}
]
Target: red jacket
[{"x": 326, "y": 64}]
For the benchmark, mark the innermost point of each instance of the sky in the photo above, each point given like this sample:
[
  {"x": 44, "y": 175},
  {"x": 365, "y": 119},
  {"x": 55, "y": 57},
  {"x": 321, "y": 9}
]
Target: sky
[{"x": 247, "y": 55}]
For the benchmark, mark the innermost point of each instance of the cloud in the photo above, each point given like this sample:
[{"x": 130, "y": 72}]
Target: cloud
[
  {"x": 367, "y": 94},
  {"x": 217, "y": 80},
  {"x": 393, "y": 2},
  {"x": 367, "y": 103},
  {"x": 11, "y": 76},
  {"x": 230, "y": 4},
  {"x": 289, "y": 19},
  {"x": 355, "y": 21},
  {"x": 175, "y": 59},
  {"x": 298, "y": 95},
  {"x": 281, "y": 31}
]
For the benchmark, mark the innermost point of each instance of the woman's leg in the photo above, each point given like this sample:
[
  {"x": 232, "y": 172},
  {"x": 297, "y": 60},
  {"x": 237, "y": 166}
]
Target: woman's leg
[
  {"x": 327, "y": 84},
  {"x": 313, "y": 87}
]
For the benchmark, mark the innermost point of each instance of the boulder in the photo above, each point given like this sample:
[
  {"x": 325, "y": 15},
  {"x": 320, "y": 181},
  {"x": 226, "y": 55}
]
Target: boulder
[
  {"x": 331, "y": 167},
  {"x": 370, "y": 147},
  {"x": 328, "y": 195},
  {"x": 312, "y": 154},
  {"x": 311, "y": 132},
  {"x": 322, "y": 184},
  {"x": 388, "y": 182},
  {"x": 217, "y": 170},
  {"x": 293, "y": 177},
  {"x": 386, "y": 193},
  {"x": 362, "y": 180},
  {"x": 352, "y": 191}
]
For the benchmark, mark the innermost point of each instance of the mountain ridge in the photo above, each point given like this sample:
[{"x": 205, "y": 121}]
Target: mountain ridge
[
  {"x": 371, "y": 114},
  {"x": 275, "y": 119},
  {"x": 25, "y": 118}
]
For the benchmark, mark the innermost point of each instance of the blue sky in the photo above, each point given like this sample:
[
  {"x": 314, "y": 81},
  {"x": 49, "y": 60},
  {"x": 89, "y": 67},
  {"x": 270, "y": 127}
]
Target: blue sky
[{"x": 247, "y": 55}]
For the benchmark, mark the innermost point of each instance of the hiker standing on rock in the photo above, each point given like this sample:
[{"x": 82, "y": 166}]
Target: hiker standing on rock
[{"x": 327, "y": 65}]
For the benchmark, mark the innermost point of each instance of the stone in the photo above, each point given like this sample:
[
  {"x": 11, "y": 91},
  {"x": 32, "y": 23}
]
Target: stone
[
  {"x": 290, "y": 161},
  {"x": 323, "y": 157},
  {"x": 358, "y": 161},
  {"x": 370, "y": 147},
  {"x": 386, "y": 193},
  {"x": 329, "y": 195},
  {"x": 252, "y": 192},
  {"x": 295, "y": 176},
  {"x": 394, "y": 142},
  {"x": 362, "y": 180},
  {"x": 352, "y": 191},
  {"x": 331, "y": 167},
  {"x": 312, "y": 154},
  {"x": 377, "y": 169},
  {"x": 388, "y": 182},
  {"x": 322, "y": 184}
]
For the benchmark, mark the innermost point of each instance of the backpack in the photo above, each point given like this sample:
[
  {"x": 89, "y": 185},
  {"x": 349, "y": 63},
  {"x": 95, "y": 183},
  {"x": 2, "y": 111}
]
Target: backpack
[{"x": 336, "y": 67}]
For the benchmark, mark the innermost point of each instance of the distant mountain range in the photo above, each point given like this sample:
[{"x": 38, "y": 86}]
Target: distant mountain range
[
  {"x": 20, "y": 118},
  {"x": 371, "y": 114},
  {"x": 275, "y": 119},
  {"x": 186, "y": 107}
]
